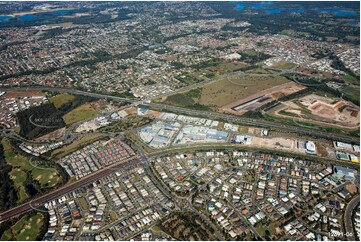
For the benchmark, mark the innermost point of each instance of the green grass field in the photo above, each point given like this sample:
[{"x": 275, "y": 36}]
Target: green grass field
[
  {"x": 83, "y": 112},
  {"x": 17, "y": 160},
  {"x": 47, "y": 177},
  {"x": 350, "y": 79},
  {"x": 352, "y": 92},
  {"x": 19, "y": 177},
  {"x": 60, "y": 99},
  {"x": 187, "y": 99},
  {"x": 26, "y": 229}
]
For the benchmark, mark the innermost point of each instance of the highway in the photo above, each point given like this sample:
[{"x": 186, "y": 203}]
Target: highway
[
  {"x": 258, "y": 123},
  {"x": 37, "y": 202},
  {"x": 62, "y": 90},
  {"x": 230, "y": 118}
]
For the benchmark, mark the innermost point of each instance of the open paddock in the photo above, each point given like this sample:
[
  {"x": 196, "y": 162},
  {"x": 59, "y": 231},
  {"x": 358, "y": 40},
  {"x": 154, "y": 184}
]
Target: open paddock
[
  {"x": 262, "y": 97},
  {"x": 231, "y": 89}
]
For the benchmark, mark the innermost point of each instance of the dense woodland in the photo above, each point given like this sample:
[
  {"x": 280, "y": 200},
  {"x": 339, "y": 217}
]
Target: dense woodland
[
  {"x": 8, "y": 195},
  {"x": 43, "y": 115},
  {"x": 46, "y": 115}
]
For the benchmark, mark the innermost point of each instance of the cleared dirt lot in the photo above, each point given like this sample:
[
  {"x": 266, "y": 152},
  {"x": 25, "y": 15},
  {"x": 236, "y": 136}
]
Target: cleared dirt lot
[
  {"x": 276, "y": 143},
  {"x": 22, "y": 94},
  {"x": 53, "y": 135}
]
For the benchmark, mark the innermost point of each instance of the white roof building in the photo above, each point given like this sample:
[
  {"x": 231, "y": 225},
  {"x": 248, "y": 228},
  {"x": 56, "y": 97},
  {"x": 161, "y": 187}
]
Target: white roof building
[{"x": 310, "y": 147}]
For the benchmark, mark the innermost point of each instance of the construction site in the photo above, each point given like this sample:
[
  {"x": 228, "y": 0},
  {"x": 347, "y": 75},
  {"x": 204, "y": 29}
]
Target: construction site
[{"x": 321, "y": 110}]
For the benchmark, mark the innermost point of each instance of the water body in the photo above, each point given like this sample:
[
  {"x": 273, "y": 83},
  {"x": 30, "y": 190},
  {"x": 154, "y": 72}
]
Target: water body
[
  {"x": 353, "y": 22},
  {"x": 31, "y": 17},
  {"x": 296, "y": 10},
  {"x": 4, "y": 18},
  {"x": 26, "y": 17},
  {"x": 267, "y": 6},
  {"x": 338, "y": 12},
  {"x": 273, "y": 10},
  {"x": 261, "y": 5}
]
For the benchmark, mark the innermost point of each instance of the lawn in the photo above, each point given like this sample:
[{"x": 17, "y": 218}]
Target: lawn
[
  {"x": 261, "y": 228},
  {"x": 60, "y": 99},
  {"x": 14, "y": 159},
  {"x": 180, "y": 99},
  {"x": 83, "y": 112},
  {"x": 283, "y": 112},
  {"x": 27, "y": 228},
  {"x": 47, "y": 177},
  {"x": 19, "y": 177}
]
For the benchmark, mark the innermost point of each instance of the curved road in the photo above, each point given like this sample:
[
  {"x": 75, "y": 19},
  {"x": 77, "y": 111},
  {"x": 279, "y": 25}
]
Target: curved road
[{"x": 348, "y": 218}]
